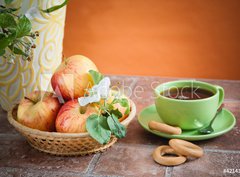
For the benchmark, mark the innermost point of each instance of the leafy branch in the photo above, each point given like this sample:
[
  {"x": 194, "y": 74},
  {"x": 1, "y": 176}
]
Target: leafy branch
[
  {"x": 101, "y": 126},
  {"x": 15, "y": 35}
]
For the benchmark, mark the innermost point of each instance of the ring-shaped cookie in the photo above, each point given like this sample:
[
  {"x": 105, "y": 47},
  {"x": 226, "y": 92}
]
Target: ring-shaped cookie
[
  {"x": 158, "y": 156},
  {"x": 164, "y": 128},
  {"x": 186, "y": 148}
]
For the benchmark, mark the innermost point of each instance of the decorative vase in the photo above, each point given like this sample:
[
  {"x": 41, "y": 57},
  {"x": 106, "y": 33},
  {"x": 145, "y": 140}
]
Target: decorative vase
[{"x": 21, "y": 78}]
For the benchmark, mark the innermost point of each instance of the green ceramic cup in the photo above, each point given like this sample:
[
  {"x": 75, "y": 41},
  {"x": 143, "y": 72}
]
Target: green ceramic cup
[{"x": 188, "y": 114}]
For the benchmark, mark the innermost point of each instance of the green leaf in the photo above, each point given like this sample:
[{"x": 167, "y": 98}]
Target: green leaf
[
  {"x": 117, "y": 113},
  {"x": 24, "y": 27},
  {"x": 98, "y": 129},
  {"x": 116, "y": 128},
  {"x": 6, "y": 20},
  {"x": 2, "y": 52},
  {"x": 54, "y": 8},
  {"x": 125, "y": 103},
  {"x": 8, "y": 1},
  {"x": 6, "y": 41},
  {"x": 109, "y": 107},
  {"x": 96, "y": 76}
]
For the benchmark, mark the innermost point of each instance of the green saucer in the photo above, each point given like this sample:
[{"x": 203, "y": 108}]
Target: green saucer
[{"x": 223, "y": 123}]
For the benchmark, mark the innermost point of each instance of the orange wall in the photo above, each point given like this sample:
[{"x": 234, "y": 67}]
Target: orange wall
[{"x": 177, "y": 38}]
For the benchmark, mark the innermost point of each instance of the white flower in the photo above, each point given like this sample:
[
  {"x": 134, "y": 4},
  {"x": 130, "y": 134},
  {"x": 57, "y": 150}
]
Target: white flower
[
  {"x": 32, "y": 13},
  {"x": 83, "y": 101},
  {"x": 97, "y": 92},
  {"x": 103, "y": 87}
]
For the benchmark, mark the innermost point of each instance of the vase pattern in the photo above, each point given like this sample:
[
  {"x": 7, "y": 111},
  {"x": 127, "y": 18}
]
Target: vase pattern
[{"x": 23, "y": 77}]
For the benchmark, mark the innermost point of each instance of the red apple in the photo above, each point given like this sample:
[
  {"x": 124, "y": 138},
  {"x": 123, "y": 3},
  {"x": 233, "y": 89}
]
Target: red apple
[
  {"x": 72, "y": 118},
  {"x": 72, "y": 78},
  {"x": 39, "y": 110}
]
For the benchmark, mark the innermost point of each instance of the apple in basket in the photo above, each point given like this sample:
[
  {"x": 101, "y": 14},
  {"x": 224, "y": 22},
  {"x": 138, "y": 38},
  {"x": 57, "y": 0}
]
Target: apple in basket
[
  {"x": 71, "y": 78},
  {"x": 39, "y": 110},
  {"x": 72, "y": 117},
  {"x": 98, "y": 112}
]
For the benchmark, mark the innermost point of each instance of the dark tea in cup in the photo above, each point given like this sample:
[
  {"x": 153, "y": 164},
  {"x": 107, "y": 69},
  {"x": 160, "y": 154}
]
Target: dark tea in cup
[{"x": 187, "y": 93}]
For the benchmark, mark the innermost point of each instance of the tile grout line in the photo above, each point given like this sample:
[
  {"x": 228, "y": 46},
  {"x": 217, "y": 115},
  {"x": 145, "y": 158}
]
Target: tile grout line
[
  {"x": 168, "y": 171},
  {"x": 223, "y": 151},
  {"x": 92, "y": 164}
]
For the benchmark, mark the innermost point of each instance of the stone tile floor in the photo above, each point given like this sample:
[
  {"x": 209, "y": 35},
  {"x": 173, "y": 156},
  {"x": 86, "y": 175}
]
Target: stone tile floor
[{"x": 130, "y": 156}]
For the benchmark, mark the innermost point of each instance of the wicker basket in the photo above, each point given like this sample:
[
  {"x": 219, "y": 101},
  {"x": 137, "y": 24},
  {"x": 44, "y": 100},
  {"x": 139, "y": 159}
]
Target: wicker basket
[{"x": 64, "y": 144}]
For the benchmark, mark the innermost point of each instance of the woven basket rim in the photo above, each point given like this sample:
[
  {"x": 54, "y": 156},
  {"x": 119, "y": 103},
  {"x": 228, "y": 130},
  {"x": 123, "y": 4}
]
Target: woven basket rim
[{"x": 29, "y": 130}]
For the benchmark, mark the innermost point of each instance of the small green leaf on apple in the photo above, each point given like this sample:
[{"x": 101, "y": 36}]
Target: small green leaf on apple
[
  {"x": 96, "y": 76},
  {"x": 124, "y": 103}
]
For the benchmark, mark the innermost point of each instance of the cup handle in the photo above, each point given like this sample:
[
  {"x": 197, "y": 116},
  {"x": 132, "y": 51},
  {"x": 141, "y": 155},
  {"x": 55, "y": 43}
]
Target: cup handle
[{"x": 221, "y": 95}]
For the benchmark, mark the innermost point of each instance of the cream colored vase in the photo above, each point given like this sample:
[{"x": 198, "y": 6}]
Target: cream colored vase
[{"x": 21, "y": 78}]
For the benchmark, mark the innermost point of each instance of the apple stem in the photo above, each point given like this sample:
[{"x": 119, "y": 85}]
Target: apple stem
[
  {"x": 29, "y": 99},
  {"x": 83, "y": 109},
  {"x": 64, "y": 60}
]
